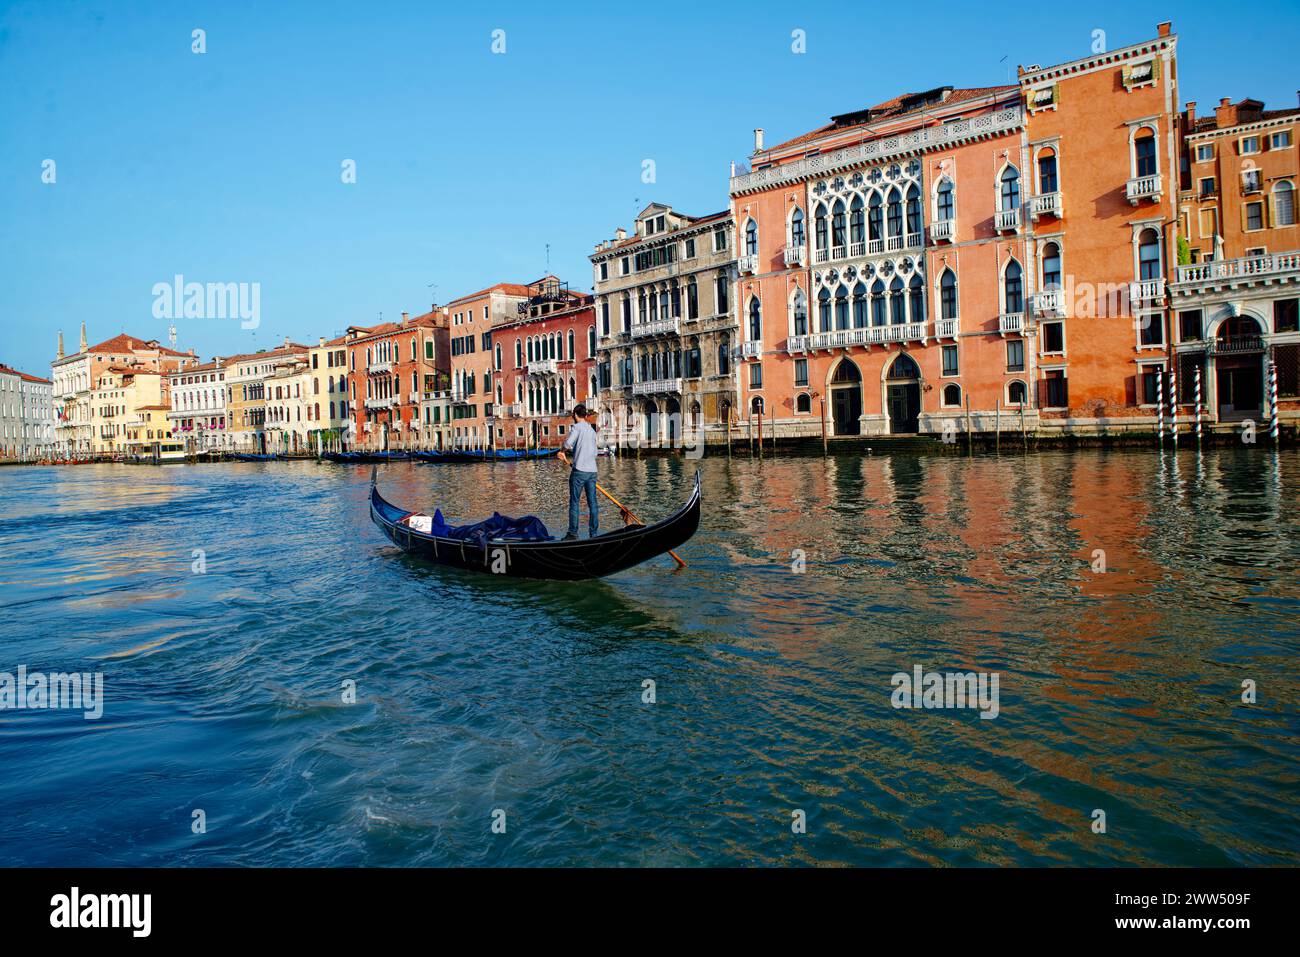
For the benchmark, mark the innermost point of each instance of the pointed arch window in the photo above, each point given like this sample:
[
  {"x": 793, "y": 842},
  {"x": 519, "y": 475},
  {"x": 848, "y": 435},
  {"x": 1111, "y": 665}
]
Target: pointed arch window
[
  {"x": 1010, "y": 189},
  {"x": 1013, "y": 288},
  {"x": 913, "y": 210},
  {"x": 837, "y": 225},
  {"x": 841, "y": 308},
  {"x": 797, "y": 227},
  {"x": 946, "y": 200},
  {"x": 819, "y": 227},
  {"x": 799, "y": 313},
  {"x": 874, "y": 218},
  {"x": 860, "y": 319},
  {"x": 724, "y": 355},
  {"x": 857, "y": 221},
  {"x": 897, "y": 314},
  {"x": 751, "y": 238},
  {"x": 895, "y": 214},
  {"x": 755, "y": 321},
  {"x": 916, "y": 299},
  {"x": 878, "y": 303},
  {"x": 824, "y": 311},
  {"x": 948, "y": 295}
]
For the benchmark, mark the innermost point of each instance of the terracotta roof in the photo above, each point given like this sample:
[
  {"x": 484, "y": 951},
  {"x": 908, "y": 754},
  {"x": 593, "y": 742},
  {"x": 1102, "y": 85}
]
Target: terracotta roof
[
  {"x": 388, "y": 328},
  {"x": 133, "y": 370},
  {"x": 905, "y": 104},
  {"x": 692, "y": 222},
  {"x": 125, "y": 343},
  {"x": 1211, "y": 122},
  {"x": 508, "y": 288},
  {"x": 204, "y": 367},
  {"x": 278, "y": 351},
  {"x": 25, "y": 376},
  {"x": 152, "y": 408}
]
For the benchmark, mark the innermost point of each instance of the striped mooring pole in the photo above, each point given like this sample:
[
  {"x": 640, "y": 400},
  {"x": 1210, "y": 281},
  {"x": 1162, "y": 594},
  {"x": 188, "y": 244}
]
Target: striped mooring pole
[
  {"x": 1160, "y": 407},
  {"x": 1198, "y": 404},
  {"x": 1272, "y": 399},
  {"x": 1173, "y": 406}
]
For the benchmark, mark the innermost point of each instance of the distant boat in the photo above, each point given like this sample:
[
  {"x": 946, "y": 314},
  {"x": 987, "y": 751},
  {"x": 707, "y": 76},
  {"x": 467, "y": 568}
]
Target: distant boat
[
  {"x": 363, "y": 456},
  {"x": 253, "y": 457},
  {"x": 451, "y": 455},
  {"x": 521, "y": 548},
  {"x": 509, "y": 455}
]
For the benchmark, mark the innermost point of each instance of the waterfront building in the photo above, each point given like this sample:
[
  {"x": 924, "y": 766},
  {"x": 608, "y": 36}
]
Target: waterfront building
[
  {"x": 472, "y": 319},
  {"x": 390, "y": 367},
  {"x": 119, "y": 395},
  {"x": 149, "y": 432},
  {"x": 912, "y": 267},
  {"x": 288, "y": 404},
  {"x": 198, "y": 415},
  {"x": 37, "y": 416},
  {"x": 327, "y": 409},
  {"x": 543, "y": 364},
  {"x": 11, "y": 413},
  {"x": 76, "y": 377},
  {"x": 246, "y": 377},
  {"x": 666, "y": 326},
  {"x": 1236, "y": 288}
]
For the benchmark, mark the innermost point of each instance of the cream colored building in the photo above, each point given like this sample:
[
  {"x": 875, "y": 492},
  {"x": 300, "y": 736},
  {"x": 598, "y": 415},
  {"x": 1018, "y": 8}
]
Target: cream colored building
[
  {"x": 327, "y": 408},
  {"x": 119, "y": 395},
  {"x": 666, "y": 327}
]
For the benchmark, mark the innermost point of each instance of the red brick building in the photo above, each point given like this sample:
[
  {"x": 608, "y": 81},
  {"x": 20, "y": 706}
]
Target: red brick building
[{"x": 544, "y": 364}]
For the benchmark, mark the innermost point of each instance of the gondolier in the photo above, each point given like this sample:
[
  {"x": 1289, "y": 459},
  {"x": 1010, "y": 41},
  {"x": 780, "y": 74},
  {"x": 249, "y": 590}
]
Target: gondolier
[{"x": 581, "y": 441}]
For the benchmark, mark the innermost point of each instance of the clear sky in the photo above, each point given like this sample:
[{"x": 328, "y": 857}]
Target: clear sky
[{"x": 226, "y": 166}]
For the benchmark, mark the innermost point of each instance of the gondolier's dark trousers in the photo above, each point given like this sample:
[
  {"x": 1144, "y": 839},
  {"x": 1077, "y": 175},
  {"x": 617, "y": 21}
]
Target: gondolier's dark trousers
[{"x": 577, "y": 482}]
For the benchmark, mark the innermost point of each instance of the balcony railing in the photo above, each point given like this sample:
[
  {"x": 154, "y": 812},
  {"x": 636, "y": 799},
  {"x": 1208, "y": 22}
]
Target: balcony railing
[
  {"x": 515, "y": 409},
  {"x": 1149, "y": 292},
  {"x": 796, "y": 255},
  {"x": 543, "y": 366},
  {"x": 943, "y": 230},
  {"x": 1231, "y": 347},
  {"x": 1143, "y": 187},
  {"x": 671, "y": 326},
  {"x": 1047, "y": 204},
  {"x": 1010, "y": 322},
  {"x": 862, "y": 336},
  {"x": 749, "y": 350},
  {"x": 384, "y": 403},
  {"x": 946, "y": 328},
  {"x": 379, "y": 368},
  {"x": 1050, "y": 304},
  {"x": 748, "y": 264},
  {"x": 871, "y": 247},
  {"x": 1007, "y": 220},
  {"x": 657, "y": 387},
  {"x": 1247, "y": 267}
]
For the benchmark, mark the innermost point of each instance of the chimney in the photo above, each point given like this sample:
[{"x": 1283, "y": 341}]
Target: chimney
[
  {"x": 322, "y": 342},
  {"x": 620, "y": 234},
  {"x": 1165, "y": 28},
  {"x": 758, "y": 140},
  {"x": 1225, "y": 114},
  {"x": 286, "y": 342},
  {"x": 1191, "y": 113}
]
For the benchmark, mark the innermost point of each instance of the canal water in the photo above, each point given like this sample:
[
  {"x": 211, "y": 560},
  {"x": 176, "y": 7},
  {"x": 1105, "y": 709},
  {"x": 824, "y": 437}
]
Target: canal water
[{"x": 1122, "y": 598}]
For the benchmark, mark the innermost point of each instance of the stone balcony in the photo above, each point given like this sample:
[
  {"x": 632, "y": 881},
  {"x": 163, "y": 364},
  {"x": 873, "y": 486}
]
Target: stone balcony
[
  {"x": 1007, "y": 220},
  {"x": 748, "y": 265},
  {"x": 543, "y": 366},
  {"x": 1148, "y": 292},
  {"x": 947, "y": 328},
  {"x": 379, "y": 368},
  {"x": 1142, "y": 188},
  {"x": 871, "y": 247},
  {"x": 861, "y": 336},
  {"x": 943, "y": 230},
  {"x": 1049, "y": 304},
  {"x": 1045, "y": 204},
  {"x": 749, "y": 350},
  {"x": 1010, "y": 323},
  {"x": 657, "y": 387},
  {"x": 671, "y": 326},
  {"x": 1227, "y": 274},
  {"x": 796, "y": 255}
]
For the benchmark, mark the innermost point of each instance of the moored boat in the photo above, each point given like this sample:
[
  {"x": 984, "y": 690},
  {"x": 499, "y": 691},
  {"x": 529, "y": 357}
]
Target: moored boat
[
  {"x": 253, "y": 457},
  {"x": 483, "y": 548}
]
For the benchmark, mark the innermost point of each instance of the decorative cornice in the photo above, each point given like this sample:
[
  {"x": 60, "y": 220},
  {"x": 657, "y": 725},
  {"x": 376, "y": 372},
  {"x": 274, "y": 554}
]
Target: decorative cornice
[
  {"x": 1100, "y": 61},
  {"x": 925, "y": 139}
]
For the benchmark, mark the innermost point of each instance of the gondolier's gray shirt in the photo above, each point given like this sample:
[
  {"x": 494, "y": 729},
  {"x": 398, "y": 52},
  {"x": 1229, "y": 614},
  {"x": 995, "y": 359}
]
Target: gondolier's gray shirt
[{"x": 581, "y": 441}]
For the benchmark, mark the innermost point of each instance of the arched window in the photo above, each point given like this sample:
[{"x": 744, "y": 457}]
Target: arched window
[
  {"x": 838, "y": 237},
  {"x": 797, "y": 227},
  {"x": 751, "y": 238},
  {"x": 824, "y": 311},
  {"x": 755, "y": 321},
  {"x": 591, "y": 342},
  {"x": 756, "y": 406},
  {"x": 913, "y": 211},
  {"x": 1009, "y": 196},
  {"x": 857, "y": 222},
  {"x": 904, "y": 367},
  {"x": 952, "y": 394},
  {"x": 519, "y": 353},
  {"x": 874, "y": 219},
  {"x": 819, "y": 227},
  {"x": 803, "y": 402},
  {"x": 724, "y": 355},
  {"x": 1051, "y": 267},
  {"x": 945, "y": 206},
  {"x": 897, "y": 315},
  {"x": 895, "y": 213},
  {"x": 916, "y": 299},
  {"x": 693, "y": 369},
  {"x": 1149, "y": 255},
  {"x": 841, "y": 307},
  {"x": 572, "y": 353},
  {"x": 498, "y": 355},
  {"x": 948, "y": 295},
  {"x": 1016, "y": 392},
  {"x": 860, "y": 319},
  {"x": 1284, "y": 204},
  {"x": 1047, "y": 171},
  {"x": 1144, "y": 153},
  {"x": 799, "y": 313},
  {"x": 1013, "y": 288},
  {"x": 878, "y": 303}
]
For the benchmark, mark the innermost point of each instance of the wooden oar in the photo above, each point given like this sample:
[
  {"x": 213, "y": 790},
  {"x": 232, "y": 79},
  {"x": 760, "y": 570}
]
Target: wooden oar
[{"x": 627, "y": 512}]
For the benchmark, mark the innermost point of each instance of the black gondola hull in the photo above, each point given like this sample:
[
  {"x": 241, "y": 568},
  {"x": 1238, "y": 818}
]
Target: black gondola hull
[{"x": 555, "y": 560}]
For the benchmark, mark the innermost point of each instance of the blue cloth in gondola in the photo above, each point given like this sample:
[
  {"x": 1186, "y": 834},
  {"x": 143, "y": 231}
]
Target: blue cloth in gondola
[{"x": 499, "y": 527}]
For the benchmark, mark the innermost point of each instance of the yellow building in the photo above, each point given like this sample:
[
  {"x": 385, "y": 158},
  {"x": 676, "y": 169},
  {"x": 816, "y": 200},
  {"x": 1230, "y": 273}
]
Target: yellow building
[
  {"x": 149, "y": 434},
  {"x": 327, "y": 406},
  {"x": 119, "y": 394},
  {"x": 246, "y": 377}
]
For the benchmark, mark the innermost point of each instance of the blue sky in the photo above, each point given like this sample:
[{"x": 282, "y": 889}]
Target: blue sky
[{"x": 225, "y": 166}]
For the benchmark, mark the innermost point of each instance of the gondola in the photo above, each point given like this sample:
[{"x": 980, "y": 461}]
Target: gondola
[
  {"x": 253, "y": 457},
  {"x": 551, "y": 559},
  {"x": 441, "y": 457},
  {"x": 509, "y": 455},
  {"x": 362, "y": 456}
]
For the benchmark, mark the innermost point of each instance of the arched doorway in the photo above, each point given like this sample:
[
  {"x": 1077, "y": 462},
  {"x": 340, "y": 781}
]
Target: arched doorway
[
  {"x": 650, "y": 411},
  {"x": 846, "y": 398},
  {"x": 903, "y": 394},
  {"x": 674, "y": 412},
  {"x": 1239, "y": 369}
]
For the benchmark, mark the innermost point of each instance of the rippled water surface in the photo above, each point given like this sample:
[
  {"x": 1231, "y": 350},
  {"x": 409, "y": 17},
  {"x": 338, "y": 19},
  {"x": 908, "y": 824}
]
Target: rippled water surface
[{"x": 1118, "y": 691}]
